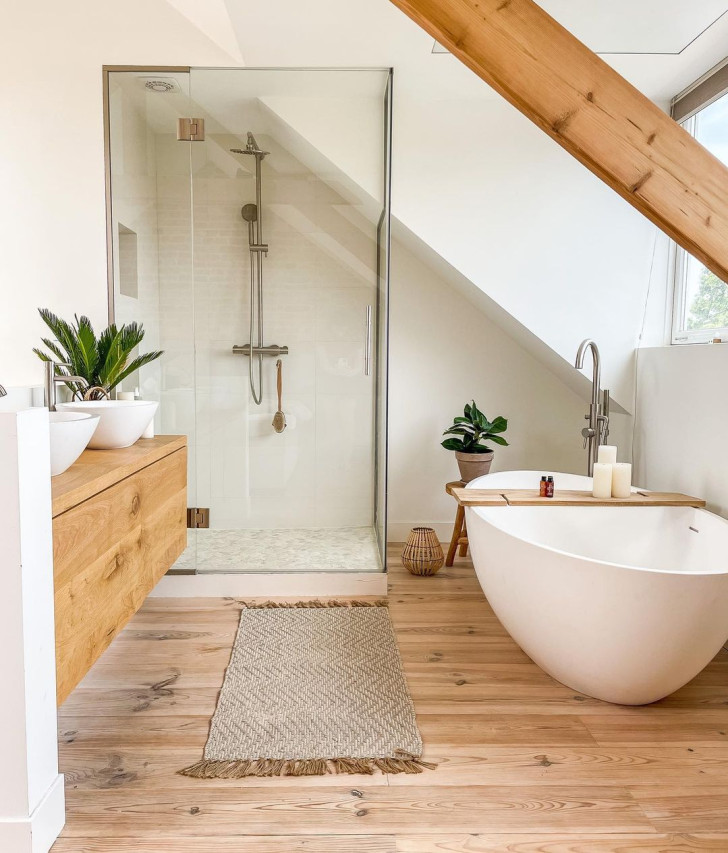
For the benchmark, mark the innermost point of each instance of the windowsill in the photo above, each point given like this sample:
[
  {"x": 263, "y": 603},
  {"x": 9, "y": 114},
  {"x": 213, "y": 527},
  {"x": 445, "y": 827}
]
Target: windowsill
[{"x": 694, "y": 343}]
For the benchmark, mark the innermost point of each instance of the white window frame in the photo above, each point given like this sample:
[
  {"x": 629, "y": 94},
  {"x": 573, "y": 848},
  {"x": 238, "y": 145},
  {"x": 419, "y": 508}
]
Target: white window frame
[{"x": 678, "y": 267}]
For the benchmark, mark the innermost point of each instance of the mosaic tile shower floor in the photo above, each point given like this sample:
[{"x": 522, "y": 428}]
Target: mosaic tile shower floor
[{"x": 340, "y": 549}]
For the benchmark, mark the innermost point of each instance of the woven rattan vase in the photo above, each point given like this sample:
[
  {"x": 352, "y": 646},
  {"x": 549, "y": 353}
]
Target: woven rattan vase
[{"x": 422, "y": 554}]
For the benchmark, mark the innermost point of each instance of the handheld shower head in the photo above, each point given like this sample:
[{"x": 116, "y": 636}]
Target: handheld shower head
[{"x": 249, "y": 212}]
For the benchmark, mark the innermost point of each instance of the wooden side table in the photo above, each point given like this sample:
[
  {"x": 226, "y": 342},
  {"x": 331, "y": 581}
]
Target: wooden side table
[{"x": 460, "y": 531}]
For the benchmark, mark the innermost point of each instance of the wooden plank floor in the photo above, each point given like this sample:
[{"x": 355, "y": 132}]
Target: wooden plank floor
[{"x": 525, "y": 765}]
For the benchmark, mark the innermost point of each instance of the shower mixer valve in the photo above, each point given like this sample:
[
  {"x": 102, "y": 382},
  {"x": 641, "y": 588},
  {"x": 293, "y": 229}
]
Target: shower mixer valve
[{"x": 271, "y": 349}]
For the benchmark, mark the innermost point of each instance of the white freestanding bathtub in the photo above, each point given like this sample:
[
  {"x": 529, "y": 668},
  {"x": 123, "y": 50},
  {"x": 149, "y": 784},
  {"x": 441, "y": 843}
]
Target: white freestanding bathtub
[{"x": 625, "y": 604}]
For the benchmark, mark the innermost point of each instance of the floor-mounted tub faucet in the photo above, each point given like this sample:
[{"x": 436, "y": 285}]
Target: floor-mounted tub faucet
[
  {"x": 598, "y": 430},
  {"x": 52, "y": 380}
]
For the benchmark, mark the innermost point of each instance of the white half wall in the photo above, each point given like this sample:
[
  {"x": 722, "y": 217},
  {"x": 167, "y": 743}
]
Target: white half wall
[
  {"x": 31, "y": 789},
  {"x": 53, "y": 234},
  {"x": 681, "y": 422}
]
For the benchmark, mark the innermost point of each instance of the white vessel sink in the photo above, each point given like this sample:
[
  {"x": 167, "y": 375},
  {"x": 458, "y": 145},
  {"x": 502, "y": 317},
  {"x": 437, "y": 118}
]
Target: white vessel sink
[
  {"x": 122, "y": 422},
  {"x": 70, "y": 435}
]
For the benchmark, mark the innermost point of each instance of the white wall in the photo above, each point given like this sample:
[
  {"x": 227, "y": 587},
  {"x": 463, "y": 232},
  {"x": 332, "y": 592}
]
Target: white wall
[
  {"x": 52, "y": 226},
  {"x": 681, "y": 422},
  {"x": 526, "y": 223},
  {"x": 443, "y": 353}
]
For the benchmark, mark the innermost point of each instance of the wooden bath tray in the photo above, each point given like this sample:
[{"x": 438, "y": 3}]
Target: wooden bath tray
[{"x": 567, "y": 497}]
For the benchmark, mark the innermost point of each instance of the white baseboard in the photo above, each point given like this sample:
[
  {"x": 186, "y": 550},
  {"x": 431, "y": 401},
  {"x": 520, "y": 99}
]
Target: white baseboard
[
  {"x": 37, "y": 833},
  {"x": 398, "y": 531},
  {"x": 259, "y": 585}
]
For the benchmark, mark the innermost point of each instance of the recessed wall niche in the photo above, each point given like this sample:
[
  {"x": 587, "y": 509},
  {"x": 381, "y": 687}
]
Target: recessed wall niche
[{"x": 128, "y": 276}]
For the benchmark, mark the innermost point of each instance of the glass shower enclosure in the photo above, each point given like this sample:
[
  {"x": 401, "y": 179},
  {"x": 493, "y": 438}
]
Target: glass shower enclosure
[{"x": 248, "y": 222}]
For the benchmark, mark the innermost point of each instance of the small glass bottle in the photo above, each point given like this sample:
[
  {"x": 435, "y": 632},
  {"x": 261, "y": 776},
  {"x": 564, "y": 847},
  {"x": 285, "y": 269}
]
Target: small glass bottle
[
  {"x": 542, "y": 487},
  {"x": 550, "y": 487}
]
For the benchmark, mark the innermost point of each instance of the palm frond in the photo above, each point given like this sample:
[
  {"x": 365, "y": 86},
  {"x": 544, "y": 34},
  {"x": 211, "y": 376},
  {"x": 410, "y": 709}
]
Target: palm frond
[
  {"x": 132, "y": 334},
  {"x": 137, "y": 363},
  {"x": 87, "y": 345},
  {"x": 54, "y": 348},
  {"x": 66, "y": 337}
]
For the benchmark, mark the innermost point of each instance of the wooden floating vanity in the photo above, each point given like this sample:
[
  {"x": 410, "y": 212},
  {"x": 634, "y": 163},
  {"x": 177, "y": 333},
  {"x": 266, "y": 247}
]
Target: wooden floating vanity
[
  {"x": 119, "y": 523},
  {"x": 567, "y": 497}
]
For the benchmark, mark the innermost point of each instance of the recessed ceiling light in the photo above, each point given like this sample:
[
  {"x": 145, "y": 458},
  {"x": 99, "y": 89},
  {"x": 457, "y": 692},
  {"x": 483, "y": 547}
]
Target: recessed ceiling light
[{"x": 438, "y": 48}]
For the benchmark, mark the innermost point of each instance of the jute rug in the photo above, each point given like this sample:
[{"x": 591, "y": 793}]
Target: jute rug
[{"x": 313, "y": 688}]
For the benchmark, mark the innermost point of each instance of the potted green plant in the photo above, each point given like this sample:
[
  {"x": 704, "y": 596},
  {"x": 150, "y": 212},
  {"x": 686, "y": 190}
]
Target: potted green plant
[
  {"x": 469, "y": 434},
  {"x": 103, "y": 362}
]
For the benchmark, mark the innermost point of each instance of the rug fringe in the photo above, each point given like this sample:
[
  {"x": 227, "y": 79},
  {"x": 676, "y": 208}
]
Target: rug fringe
[
  {"x": 267, "y": 767},
  {"x": 317, "y": 603}
]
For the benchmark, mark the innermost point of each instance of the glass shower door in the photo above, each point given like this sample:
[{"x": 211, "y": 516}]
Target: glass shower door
[
  {"x": 291, "y": 179},
  {"x": 382, "y": 332},
  {"x": 150, "y": 239}
]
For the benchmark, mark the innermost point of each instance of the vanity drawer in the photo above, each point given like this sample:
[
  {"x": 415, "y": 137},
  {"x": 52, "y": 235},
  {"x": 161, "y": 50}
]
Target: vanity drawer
[{"x": 109, "y": 552}]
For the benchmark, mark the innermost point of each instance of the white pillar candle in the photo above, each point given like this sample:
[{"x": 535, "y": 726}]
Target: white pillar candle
[
  {"x": 607, "y": 453},
  {"x": 125, "y": 395},
  {"x": 621, "y": 480},
  {"x": 602, "y": 481}
]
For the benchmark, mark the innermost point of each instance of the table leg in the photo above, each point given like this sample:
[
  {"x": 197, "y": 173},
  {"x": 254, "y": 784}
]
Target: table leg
[
  {"x": 464, "y": 535},
  {"x": 459, "y": 522}
]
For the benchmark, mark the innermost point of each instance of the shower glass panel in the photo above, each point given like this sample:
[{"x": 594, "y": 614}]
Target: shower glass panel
[
  {"x": 149, "y": 220},
  {"x": 272, "y": 253}
]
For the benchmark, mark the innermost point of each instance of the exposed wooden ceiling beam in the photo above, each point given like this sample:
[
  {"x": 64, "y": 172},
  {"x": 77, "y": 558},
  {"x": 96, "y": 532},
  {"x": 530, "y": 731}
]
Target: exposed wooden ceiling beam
[{"x": 592, "y": 112}]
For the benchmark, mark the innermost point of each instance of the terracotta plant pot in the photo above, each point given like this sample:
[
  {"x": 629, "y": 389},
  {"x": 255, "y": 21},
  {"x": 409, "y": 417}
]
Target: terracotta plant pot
[{"x": 474, "y": 465}]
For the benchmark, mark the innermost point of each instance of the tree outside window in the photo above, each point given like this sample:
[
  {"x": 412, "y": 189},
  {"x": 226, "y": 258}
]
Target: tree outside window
[{"x": 709, "y": 308}]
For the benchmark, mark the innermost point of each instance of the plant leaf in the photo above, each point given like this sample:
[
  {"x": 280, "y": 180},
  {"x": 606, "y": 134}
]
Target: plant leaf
[
  {"x": 87, "y": 347},
  {"x": 138, "y": 362},
  {"x": 64, "y": 334},
  {"x": 54, "y": 348},
  {"x": 453, "y": 444},
  {"x": 459, "y": 430},
  {"x": 497, "y": 439}
]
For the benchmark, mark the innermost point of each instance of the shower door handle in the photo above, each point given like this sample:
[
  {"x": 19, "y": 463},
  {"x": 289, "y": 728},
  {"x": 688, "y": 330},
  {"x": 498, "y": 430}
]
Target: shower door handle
[{"x": 368, "y": 343}]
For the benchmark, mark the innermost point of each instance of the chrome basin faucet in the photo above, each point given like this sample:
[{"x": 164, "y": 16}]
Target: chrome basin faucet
[
  {"x": 598, "y": 430},
  {"x": 52, "y": 381}
]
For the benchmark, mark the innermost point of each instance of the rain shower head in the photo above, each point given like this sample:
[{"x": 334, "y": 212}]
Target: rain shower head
[{"x": 251, "y": 147}]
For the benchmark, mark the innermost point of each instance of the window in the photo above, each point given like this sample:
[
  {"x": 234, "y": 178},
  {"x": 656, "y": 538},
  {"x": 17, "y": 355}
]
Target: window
[{"x": 700, "y": 311}]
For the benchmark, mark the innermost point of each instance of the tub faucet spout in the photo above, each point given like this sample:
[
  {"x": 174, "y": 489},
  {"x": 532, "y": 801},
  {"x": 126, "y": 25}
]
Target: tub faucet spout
[{"x": 598, "y": 430}]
